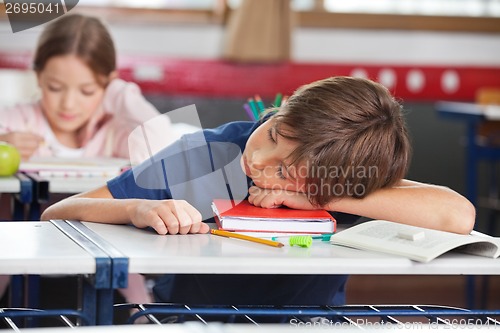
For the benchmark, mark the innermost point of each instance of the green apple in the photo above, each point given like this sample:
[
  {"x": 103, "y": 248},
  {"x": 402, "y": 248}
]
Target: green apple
[{"x": 9, "y": 159}]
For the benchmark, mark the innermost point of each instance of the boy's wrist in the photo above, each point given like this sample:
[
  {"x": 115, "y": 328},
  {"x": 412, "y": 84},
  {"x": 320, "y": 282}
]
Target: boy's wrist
[
  {"x": 336, "y": 204},
  {"x": 130, "y": 209}
]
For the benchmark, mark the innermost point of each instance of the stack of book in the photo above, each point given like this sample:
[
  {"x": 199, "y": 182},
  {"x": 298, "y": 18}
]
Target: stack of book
[
  {"x": 74, "y": 167},
  {"x": 245, "y": 217}
]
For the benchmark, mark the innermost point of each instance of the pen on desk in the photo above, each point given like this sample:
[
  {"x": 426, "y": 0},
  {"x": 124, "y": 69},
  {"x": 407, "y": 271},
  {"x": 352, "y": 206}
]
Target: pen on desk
[{"x": 245, "y": 237}]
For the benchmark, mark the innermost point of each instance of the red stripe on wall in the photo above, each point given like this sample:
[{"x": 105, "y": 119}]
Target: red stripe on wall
[{"x": 215, "y": 78}]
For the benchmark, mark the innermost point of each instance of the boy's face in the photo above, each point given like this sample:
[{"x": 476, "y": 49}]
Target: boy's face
[
  {"x": 266, "y": 160},
  {"x": 70, "y": 93}
]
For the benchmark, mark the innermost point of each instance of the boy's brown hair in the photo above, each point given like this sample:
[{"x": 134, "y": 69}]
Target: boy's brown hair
[
  {"x": 83, "y": 36},
  {"x": 351, "y": 134}
]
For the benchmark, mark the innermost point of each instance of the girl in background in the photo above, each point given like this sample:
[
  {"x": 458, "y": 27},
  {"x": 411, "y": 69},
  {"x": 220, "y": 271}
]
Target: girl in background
[{"x": 84, "y": 111}]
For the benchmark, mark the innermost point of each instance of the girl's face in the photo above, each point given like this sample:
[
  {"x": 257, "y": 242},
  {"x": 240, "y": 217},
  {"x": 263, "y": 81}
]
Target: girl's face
[
  {"x": 70, "y": 93},
  {"x": 266, "y": 160}
]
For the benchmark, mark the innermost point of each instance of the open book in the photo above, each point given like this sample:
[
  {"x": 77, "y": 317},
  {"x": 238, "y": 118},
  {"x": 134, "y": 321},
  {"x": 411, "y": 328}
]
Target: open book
[
  {"x": 247, "y": 217},
  {"x": 74, "y": 167},
  {"x": 419, "y": 244}
]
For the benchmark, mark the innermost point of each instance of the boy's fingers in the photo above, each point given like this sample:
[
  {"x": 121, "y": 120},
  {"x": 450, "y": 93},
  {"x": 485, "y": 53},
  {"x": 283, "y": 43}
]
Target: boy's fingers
[
  {"x": 159, "y": 225},
  {"x": 170, "y": 221},
  {"x": 204, "y": 228},
  {"x": 189, "y": 218}
]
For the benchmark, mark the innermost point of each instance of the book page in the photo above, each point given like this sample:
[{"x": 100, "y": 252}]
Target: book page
[
  {"x": 63, "y": 167},
  {"x": 245, "y": 217},
  {"x": 485, "y": 249},
  {"x": 416, "y": 243},
  {"x": 57, "y": 163}
]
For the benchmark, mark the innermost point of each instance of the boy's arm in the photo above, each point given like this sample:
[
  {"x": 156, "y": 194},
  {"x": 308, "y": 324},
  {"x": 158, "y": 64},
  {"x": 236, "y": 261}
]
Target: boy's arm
[
  {"x": 408, "y": 202},
  {"x": 165, "y": 216}
]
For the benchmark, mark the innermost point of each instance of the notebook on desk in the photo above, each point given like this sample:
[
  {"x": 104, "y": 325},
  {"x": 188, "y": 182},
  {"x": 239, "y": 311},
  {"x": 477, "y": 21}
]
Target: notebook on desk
[
  {"x": 74, "y": 167},
  {"x": 245, "y": 217}
]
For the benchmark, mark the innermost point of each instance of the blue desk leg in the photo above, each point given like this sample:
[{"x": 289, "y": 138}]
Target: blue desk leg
[
  {"x": 20, "y": 200},
  {"x": 119, "y": 273},
  {"x": 105, "y": 306},
  {"x": 97, "y": 304},
  {"x": 40, "y": 195},
  {"x": 88, "y": 301},
  {"x": 16, "y": 295},
  {"x": 33, "y": 297},
  {"x": 97, "y": 300},
  {"x": 17, "y": 209},
  {"x": 23, "y": 198}
]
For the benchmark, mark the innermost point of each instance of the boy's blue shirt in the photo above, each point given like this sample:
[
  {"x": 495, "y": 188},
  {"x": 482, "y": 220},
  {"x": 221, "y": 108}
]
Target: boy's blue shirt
[
  {"x": 198, "y": 167},
  {"x": 191, "y": 159}
]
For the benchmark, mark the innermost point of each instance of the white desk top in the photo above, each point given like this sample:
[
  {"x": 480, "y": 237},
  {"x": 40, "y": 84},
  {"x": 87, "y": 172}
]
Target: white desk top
[
  {"x": 71, "y": 185},
  {"x": 490, "y": 112},
  {"x": 150, "y": 253},
  {"x": 40, "y": 248},
  {"x": 10, "y": 185}
]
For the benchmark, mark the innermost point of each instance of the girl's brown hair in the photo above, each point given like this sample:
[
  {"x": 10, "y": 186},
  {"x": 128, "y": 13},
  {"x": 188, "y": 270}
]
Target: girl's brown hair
[
  {"x": 83, "y": 36},
  {"x": 352, "y": 137}
]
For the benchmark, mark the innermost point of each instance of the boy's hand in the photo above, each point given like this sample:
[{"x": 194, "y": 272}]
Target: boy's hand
[
  {"x": 268, "y": 198},
  {"x": 25, "y": 142},
  {"x": 168, "y": 217}
]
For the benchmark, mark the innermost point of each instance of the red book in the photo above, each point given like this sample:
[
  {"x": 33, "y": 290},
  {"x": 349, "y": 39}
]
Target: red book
[{"x": 247, "y": 217}]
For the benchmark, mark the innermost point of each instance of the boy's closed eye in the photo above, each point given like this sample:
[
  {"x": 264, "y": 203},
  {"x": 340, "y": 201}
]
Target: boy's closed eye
[
  {"x": 270, "y": 133},
  {"x": 280, "y": 173}
]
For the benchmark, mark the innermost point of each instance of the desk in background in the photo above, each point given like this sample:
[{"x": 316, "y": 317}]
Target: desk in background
[
  {"x": 44, "y": 187},
  {"x": 20, "y": 187},
  {"x": 473, "y": 114},
  {"x": 55, "y": 175}
]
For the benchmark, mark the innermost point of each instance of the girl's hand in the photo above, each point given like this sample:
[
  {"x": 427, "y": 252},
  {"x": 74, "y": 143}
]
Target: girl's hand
[
  {"x": 268, "y": 198},
  {"x": 167, "y": 217},
  {"x": 25, "y": 142}
]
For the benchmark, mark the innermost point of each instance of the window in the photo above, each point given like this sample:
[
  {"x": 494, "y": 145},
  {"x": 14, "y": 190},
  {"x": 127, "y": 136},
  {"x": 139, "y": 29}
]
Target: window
[
  {"x": 434, "y": 15},
  {"x": 488, "y": 8}
]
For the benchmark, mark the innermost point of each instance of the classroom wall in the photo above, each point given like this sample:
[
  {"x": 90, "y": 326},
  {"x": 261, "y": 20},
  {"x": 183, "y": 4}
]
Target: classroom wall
[
  {"x": 416, "y": 65},
  {"x": 308, "y": 44}
]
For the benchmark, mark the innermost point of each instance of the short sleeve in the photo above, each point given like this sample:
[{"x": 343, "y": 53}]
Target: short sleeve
[{"x": 125, "y": 187}]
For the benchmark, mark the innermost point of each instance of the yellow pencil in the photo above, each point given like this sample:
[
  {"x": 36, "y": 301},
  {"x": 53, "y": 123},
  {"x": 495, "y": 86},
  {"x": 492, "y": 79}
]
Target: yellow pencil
[{"x": 245, "y": 237}]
